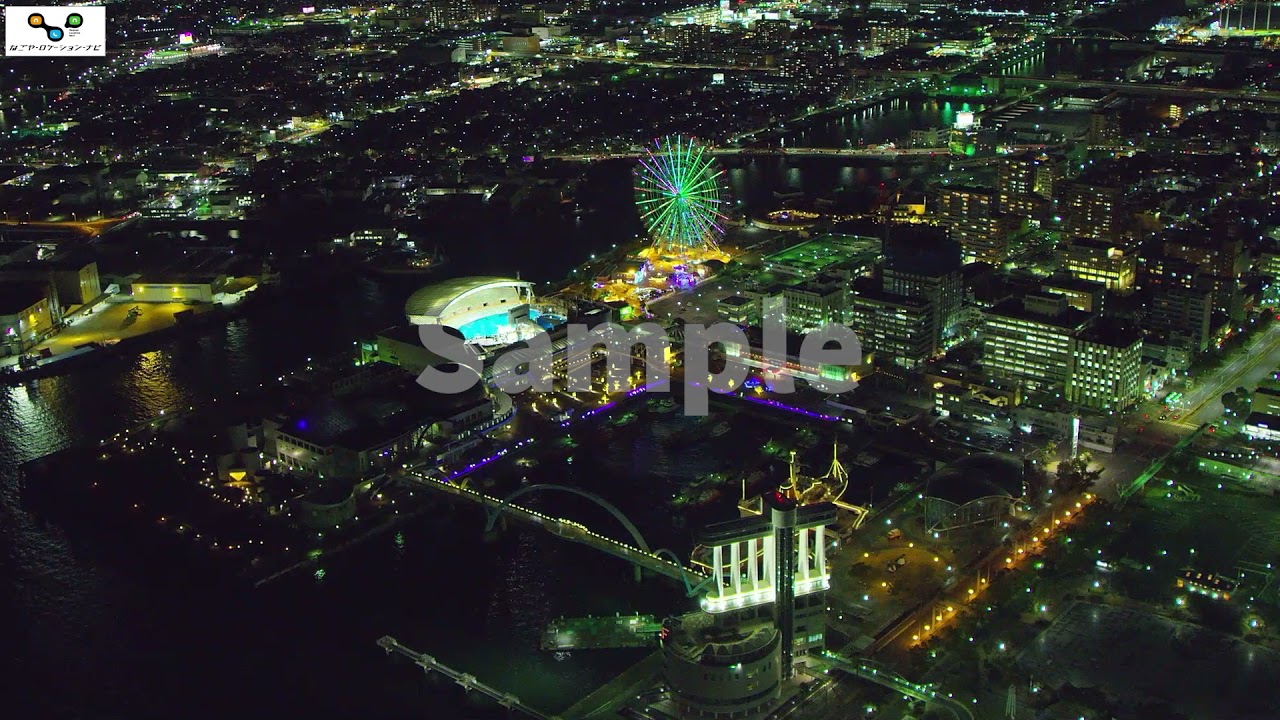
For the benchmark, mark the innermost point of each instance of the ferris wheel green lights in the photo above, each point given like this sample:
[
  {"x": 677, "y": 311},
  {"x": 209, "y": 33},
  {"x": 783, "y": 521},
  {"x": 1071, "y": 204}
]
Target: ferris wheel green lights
[{"x": 678, "y": 194}]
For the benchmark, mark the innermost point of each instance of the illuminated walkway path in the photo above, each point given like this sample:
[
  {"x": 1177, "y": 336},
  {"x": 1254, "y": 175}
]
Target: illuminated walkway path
[
  {"x": 885, "y": 677},
  {"x": 467, "y": 681}
]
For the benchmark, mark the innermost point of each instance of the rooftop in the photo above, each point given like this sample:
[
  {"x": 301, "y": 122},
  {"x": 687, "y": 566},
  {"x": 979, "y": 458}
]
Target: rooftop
[
  {"x": 1069, "y": 319},
  {"x": 1112, "y": 333},
  {"x": 978, "y": 476},
  {"x": 374, "y": 415},
  {"x": 433, "y": 299},
  {"x": 813, "y": 256},
  {"x": 758, "y": 526}
]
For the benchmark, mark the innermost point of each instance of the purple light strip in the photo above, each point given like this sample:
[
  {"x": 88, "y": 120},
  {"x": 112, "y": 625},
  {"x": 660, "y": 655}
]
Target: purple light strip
[
  {"x": 481, "y": 463},
  {"x": 791, "y": 408}
]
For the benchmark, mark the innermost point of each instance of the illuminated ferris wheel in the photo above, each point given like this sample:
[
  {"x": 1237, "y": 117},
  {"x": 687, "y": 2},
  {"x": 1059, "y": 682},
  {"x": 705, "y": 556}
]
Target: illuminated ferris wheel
[{"x": 678, "y": 194}]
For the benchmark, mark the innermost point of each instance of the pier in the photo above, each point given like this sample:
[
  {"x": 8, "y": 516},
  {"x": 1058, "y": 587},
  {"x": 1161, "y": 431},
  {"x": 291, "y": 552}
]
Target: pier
[{"x": 467, "y": 681}]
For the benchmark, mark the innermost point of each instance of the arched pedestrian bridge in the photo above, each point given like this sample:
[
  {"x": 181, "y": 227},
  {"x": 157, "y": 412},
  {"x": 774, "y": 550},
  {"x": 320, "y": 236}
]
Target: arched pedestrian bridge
[{"x": 662, "y": 561}]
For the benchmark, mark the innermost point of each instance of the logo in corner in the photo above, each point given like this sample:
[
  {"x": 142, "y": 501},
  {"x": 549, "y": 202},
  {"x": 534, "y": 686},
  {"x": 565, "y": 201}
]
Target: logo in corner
[{"x": 52, "y": 31}]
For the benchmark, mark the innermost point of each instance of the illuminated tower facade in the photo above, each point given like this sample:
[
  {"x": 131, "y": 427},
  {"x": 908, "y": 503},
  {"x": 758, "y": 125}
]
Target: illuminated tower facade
[
  {"x": 782, "y": 521},
  {"x": 764, "y": 613}
]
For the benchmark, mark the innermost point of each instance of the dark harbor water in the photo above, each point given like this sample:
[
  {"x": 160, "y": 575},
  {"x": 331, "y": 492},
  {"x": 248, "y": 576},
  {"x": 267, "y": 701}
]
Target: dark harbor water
[{"x": 96, "y": 628}]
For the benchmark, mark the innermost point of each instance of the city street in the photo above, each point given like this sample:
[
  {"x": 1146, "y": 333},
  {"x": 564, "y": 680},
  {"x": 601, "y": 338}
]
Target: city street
[{"x": 1203, "y": 403}]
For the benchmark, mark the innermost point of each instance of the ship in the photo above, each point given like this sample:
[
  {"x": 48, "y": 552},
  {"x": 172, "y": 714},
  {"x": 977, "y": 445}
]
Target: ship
[
  {"x": 710, "y": 479},
  {"x": 623, "y": 419},
  {"x": 808, "y": 490},
  {"x": 662, "y": 405},
  {"x": 695, "y": 497},
  {"x": 404, "y": 261}
]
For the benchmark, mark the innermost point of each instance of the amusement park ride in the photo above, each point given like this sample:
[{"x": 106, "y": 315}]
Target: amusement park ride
[{"x": 681, "y": 201}]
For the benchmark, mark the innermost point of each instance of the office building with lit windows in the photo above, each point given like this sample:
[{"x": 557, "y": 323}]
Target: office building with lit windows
[
  {"x": 1100, "y": 262},
  {"x": 739, "y": 310},
  {"x": 895, "y": 328},
  {"x": 1029, "y": 340},
  {"x": 1269, "y": 265},
  {"x": 924, "y": 262},
  {"x": 890, "y": 37},
  {"x": 1105, "y": 368},
  {"x": 815, "y": 303}
]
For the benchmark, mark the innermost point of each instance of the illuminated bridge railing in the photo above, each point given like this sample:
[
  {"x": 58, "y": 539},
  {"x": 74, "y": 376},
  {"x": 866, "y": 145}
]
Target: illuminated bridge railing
[
  {"x": 557, "y": 525},
  {"x": 885, "y": 677}
]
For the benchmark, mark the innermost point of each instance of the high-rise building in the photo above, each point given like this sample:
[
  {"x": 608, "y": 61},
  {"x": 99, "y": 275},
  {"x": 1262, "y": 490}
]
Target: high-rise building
[
  {"x": 1016, "y": 175},
  {"x": 771, "y": 33},
  {"x": 812, "y": 70},
  {"x": 959, "y": 201},
  {"x": 1099, "y": 261},
  {"x": 1030, "y": 340},
  {"x": 973, "y": 216},
  {"x": 1180, "y": 318},
  {"x": 450, "y": 13},
  {"x": 1025, "y": 184},
  {"x": 1105, "y": 368},
  {"x": 1269, "y": 271},
  {"x": 1220, "y": 260},
  {"x": 1093, "y": 210},
  {"x": 1104, "y": 129},
  {"x": 1218, "y": 255},
  {"x": 1269, "y": 265},
  {"x": 765, "y": 612},
  {"x": 691, "y": 38},
  {"x": 924, "y": 262}
]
